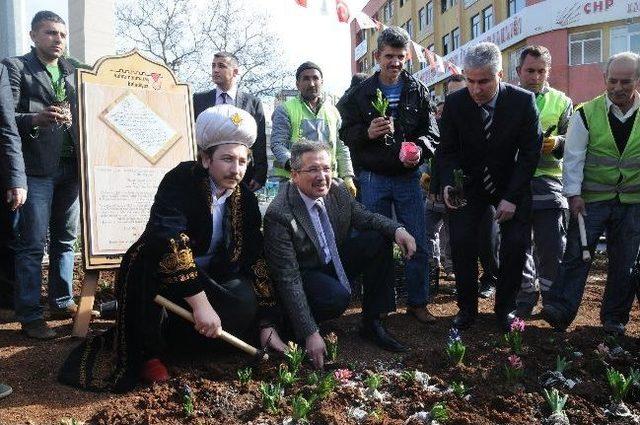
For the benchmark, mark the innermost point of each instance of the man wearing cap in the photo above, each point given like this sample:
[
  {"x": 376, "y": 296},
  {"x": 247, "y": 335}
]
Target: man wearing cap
[
  {"x": 201, "y": 249},
  {"x": 312, "y": 117},
  {"x": 224, "y": 73}
]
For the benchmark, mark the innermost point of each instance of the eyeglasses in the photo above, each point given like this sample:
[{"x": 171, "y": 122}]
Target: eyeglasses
[{"x": 316, "y": 170}]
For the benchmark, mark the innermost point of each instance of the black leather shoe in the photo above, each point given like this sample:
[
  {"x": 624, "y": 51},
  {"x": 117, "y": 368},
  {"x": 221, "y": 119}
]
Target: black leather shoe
[
  {"x": 554, "y": 317},
  {"x": 463, "y": 321},
  {"x": 486, "y": 290},
  {"x": 374, "y": 331}
]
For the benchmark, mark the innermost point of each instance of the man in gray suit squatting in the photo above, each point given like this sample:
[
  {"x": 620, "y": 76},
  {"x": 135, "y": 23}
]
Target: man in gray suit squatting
[{"x": 313, "y": 256}]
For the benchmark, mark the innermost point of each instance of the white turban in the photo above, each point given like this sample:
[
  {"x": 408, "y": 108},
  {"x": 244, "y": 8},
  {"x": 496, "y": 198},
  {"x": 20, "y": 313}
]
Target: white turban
[{"x": 225, "y": 124}]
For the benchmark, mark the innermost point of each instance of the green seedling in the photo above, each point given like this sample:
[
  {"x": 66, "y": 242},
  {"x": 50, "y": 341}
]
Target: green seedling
[
  {"x": 325, "y": 386},
  {"x": 620, "y": 384},
  {"x": 313, "y": 379},
  {"x": 271, "y": 396},
  {"x": 562, "y": 364},
  {"x": 555, "y": 400},
  {"x": 380, "y": 104},
  {"x": 287, "y": 378},
  {"x": 439, "y": 412},
  {"x": 187, "y": 401},
  {"x": 455, "y": 348},
  {"x": 409, "y": 376},
  {"x": 373, "y": 381},
  {"x": 301, "y": 407},
  {"x": 244, "y": 375},
  {"x": 331, "y": 341},
  {"x": 59, "y": 90},
  {"x": 459, "y": 389},
  {"x": 294, "y": 356}
]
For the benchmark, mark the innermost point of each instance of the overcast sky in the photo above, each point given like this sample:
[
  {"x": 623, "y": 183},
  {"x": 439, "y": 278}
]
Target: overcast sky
[{"x": 306, "y": 36}]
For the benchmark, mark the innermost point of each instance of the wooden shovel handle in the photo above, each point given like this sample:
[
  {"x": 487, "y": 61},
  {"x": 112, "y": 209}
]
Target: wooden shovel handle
[
  {"x": 225, "y": 336},
  {"x": 586, "y": 255}
]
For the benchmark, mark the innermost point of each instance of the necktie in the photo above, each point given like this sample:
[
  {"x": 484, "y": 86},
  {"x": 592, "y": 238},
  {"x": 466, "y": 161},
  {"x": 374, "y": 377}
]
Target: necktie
[
  {"x": 224, "y": 96},
  {"x": 330, "y": 240},
  {"x": 487, "y": 120}
]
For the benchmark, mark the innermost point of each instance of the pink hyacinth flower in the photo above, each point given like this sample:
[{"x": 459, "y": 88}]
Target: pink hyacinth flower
[
  {"x": 343, "y": 375},
  {"x": 517, "y": 325},
  {"x": 409, "y": 151},
  {"x": 515, "y": 361}
]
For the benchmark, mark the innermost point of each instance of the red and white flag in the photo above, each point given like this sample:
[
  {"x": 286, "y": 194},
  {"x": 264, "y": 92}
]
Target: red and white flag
[
  {"x": 419, "y": 50},
  {"x": 453, "y": 68},
  {"x": 342, "y": 10}
]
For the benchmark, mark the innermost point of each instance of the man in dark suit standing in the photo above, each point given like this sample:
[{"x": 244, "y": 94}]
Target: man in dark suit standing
[
  {"x": 224, "y": 72},
  {"x": 13, "y": 184},
  {"x": 44, "y": 95},
  {"x": 312, "y": 257},
  {"x": 490, "y": 132}
]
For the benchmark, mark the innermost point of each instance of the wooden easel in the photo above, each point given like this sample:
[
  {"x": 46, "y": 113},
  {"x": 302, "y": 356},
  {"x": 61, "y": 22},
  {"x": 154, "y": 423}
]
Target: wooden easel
[{"x": 117, "y": 98}]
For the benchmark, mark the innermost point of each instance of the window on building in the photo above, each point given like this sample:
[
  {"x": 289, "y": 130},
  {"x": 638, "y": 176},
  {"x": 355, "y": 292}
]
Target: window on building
[
  {"x": 514, "y": 6},
  {"x": 422, "y": 19},
  {"x": 409, "y": 27},
  {"x": 585, "y": 47},
  {"x": 360, "y": 36},
  {"x": 387, "y": 10},
  {"x": 455, "y": 38},
  {"x": 432, "y": 47},
  {"x": 363, "y": 65},
  {"x": 487, "y": 19},
  {"x": 430, "y": 13},
  {"x": 446, "y": 44},
  {"x": 447, "y": 4},
  {"x": 408, "y": 65},
  {"x": 625, "y": 39},
  {"x": 402, "y": 2},
  {"x": 475, "y": 26}
]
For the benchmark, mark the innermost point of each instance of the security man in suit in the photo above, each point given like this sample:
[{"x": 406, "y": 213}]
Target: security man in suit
[
  {"x": 312, "y": 257},
  {"x": 224, "y": 73},
  {"x": 490, "y": 132}
]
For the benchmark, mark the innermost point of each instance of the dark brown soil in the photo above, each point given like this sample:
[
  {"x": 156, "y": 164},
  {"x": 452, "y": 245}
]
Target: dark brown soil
[{"x": 31, "y": 367}]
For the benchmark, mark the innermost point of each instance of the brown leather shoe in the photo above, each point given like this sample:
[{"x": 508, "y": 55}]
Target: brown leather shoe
[
  {"x": 38, "y": 329},
  {"x": 422, "y": 315},
  {"x": 63, "y": 313}
]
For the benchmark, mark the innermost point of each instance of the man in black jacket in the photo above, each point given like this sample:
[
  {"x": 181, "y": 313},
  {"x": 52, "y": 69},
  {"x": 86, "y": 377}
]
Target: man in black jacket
[
  {"x": 389, "y": 177},
  {"x": 490, "y": 131},
  {"x": 224, "y": 73}
]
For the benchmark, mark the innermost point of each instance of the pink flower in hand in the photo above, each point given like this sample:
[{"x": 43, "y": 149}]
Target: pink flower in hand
[
  {"x": 409, "y": 152},
  {"x": 343, "y": 375}
]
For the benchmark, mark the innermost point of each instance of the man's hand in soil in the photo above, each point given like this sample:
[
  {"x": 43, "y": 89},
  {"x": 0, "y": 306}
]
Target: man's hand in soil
[
  {"x": 49, "y": 116},
  {"x": 576, "y": 206},
  {"x": 269, "y": 338},
  {"x": 207, "y": 320},
  {"x": 16, "y": 197},
  {"x": 406, "y": 242},
  {"x": 379, "y": 127},
  {"x": 505, "y": 211},
  {"x": 316, "y": 349}
]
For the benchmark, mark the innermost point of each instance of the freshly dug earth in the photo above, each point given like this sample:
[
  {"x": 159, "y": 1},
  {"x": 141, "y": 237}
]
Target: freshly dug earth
[{"x": 30, "y": 367}]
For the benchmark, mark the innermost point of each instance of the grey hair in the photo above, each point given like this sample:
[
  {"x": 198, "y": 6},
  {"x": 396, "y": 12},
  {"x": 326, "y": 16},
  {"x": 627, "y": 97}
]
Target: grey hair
[
  {"x": 625, "y": 56},
  {"x": 303, "y": 146},
  {"x": 483, "y": 55},
  {"x": 395, "y": 37}
]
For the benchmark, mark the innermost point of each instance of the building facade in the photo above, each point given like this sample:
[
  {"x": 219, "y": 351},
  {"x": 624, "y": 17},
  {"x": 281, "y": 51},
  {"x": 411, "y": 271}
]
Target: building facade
[{"x": 581, "y": 35}]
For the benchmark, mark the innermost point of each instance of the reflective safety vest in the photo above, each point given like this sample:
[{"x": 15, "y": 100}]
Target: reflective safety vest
[
  {"x": 607, "y": 172},
  {"x": 550, "y": 105},
  {"x": 320, "y": 127}
]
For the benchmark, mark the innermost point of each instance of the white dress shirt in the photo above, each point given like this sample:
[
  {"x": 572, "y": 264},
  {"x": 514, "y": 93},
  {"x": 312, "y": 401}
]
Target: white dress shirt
[
  {"x": 315, "y": 219},
  {"x": 231, "y": 96},
  {"x": 217, "y": 214},
  {"x": 575, "y": 149}
]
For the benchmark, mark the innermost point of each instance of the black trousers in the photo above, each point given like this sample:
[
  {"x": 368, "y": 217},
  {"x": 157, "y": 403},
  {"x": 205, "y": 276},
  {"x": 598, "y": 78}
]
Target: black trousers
[
  {"x": 515, "y": 238},
  {"x": 7, "y": 256},
  {"x": 233, "y": 299},
  {"x": 366, "y": 253},
  {"x": 488, "y": 247}
]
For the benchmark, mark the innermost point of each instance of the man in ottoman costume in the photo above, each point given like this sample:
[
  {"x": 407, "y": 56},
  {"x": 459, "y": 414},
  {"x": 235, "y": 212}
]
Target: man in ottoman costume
[{"x": 201, "y": 249}]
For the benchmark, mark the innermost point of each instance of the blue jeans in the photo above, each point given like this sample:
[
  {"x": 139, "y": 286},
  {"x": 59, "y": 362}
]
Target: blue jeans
[
  {"x": 52, "y": 203},
  {"x": 621, "y": 223},
  {"x": 379, "y": 194}
]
